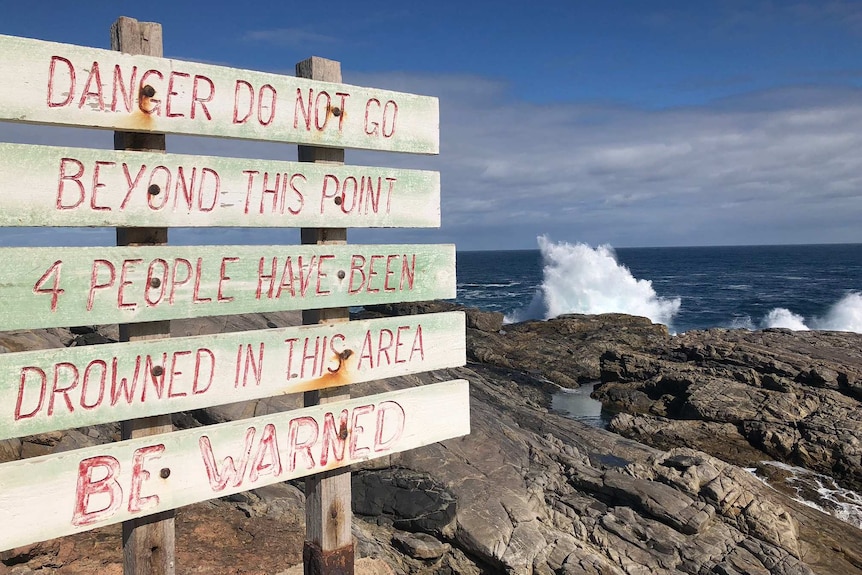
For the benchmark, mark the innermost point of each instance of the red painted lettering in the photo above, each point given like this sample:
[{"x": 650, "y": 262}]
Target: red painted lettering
[
  {"x": 267, "y": 460},
  {"x": 198, "y": 98},
  {"x": 43, "y": 383},
  {"x": 175, "y": 372},
  {"x": 76, "y": 178},
  {"x": 408, "y": 272},
  {"x": 162, "y": 189},
  {"x": 357, "y": 262},
  {"x": 246, "y": 87},
  {"x": 372, "y": 128},
  {"x": 321, "y": 275},
  {"x": 171, "y": 93},
  {"x": 86, "y": 383},
  {"x": 91, "y": 91},
  {"x": 131, "y": 184},
  {"x": 156, "y": 374},
  {"x": 300, "y": 444},
  {"x": 124, "y": 281},
  {"x": 128, "y": 97},
  {"x": 384, "y": 348},
  {"x": 203, "y": 358},
  {"x": 156, "y": 282},
  {"x": 417, "y": 345},
  {"x": 98, "y": 184},
  {"x": 356, "y": 430},
  {"x": 367, "y": 351},
  {"x": 176, "y": 280},
  {"x": 94, "y": 280},
  {"x": 54, "y": 290},
  {"x": 224, "y": 278},
  {"x": 261, "y": 107},
  {"x": 139, "y": 475},
  {"x": 155, "y": 104},
  {"x": 334, "y": 437},
  {"x": 372, "y": 273},
  {"x": 389, "y": 272},
  {"x": 57, "y": 388},
  {"x": 53, "y": 88},
  {"x": 86, "y": 488},
  {"x": 343, "y": 97},
  {"x": 121, "y": 386},
  {"x": 196, "y": 298},
  {"x": 394, "y": 422},
  {"x": 229, "y": 473}
]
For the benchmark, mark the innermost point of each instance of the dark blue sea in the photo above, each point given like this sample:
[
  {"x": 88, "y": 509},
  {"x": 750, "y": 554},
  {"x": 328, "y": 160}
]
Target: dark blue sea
[{"x": 753, "y": 287}]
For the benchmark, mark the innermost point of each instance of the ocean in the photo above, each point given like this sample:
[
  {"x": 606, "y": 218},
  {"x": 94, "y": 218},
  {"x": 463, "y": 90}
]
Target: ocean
[
  {"x": 751, "y": 287},
  {"x": 685, "y": 288}
]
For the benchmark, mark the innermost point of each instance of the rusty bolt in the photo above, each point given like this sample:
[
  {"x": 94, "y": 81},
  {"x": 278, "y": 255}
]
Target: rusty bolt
[
  {"x": 165, "y": 473},
  {"x": 148, "y": 91},
  {"x": 158, "y": 371},
  {"x": 154, "y": 190},
  {"x": 342, "y": 432},
  {"x": 336, "y": 112},
  {"x": 155, "y": 282},
  {"x": 345, "y": 354},
  {"x": 338, "y": 200},
  {"x": 341, "y": 274}
]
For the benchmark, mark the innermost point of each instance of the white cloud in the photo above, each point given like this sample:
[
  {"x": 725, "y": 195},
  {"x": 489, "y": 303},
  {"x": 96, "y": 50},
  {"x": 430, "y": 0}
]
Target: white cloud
[{"x": 291, "y": 37}]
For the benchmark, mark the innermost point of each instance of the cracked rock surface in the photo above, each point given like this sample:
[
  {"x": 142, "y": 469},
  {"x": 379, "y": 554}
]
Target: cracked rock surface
[{"x": 527, "y": 492}]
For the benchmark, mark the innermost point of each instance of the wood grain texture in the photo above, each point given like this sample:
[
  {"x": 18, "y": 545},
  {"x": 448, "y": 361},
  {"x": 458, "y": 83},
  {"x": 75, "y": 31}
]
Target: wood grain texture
[
  {"x": 65, "y": 388},
  {"x": 54, "y": 495},
  {"x": 149, "y": 544},
  {"x": 50, "y": 186},
  {"x": 328, "y": 510},
  {"x": 61, "y": 84}
]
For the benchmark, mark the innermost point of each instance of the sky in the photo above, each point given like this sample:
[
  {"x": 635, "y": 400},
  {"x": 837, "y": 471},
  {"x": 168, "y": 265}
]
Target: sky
[{"x": 629, "y": 123}]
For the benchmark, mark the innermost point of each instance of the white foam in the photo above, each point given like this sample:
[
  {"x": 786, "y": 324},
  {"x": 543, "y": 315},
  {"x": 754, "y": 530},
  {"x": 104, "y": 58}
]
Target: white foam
[
  {"x": 845, "y": 315},
  {"x": 580, "y": 279},
  {"x": 783, "y": 317}
]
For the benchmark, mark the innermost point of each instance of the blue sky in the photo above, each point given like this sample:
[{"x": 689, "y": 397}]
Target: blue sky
[{"x": 623, "y": 122}]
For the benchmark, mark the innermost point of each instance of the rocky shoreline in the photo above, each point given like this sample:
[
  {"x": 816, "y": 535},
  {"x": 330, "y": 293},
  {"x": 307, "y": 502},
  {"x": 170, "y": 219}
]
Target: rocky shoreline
[{"x": 532, "y": 492}]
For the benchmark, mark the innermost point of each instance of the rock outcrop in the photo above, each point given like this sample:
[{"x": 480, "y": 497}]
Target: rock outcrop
[
  {"x": 528, "y": 492},
  {"x": 792, "y": 396}
]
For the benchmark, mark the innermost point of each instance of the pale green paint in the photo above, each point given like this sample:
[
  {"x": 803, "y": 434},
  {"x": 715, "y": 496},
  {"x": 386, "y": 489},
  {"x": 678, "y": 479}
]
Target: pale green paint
[
  {"x": 442, "y": 345},
  {"x": 33, "y": 194},
  {"x": 37, "y": 501},
  {"x": 21, "y": 269},
  {"x": 24, "y": 79}
]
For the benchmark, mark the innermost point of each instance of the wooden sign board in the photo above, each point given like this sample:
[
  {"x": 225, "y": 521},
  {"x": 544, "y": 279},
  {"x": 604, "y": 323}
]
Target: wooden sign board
[
  {"x": 55, "y": 389},
  {"x": 50, "y": 83},
  {"x": 54, "y": 495},
  {"x": 56, "y": 287},
  {"x": 48, "y": 186}
]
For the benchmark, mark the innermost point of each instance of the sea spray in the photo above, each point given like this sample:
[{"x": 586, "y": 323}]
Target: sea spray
[
  {"x": 580, "y": 279},
  {"x": 783, "y": 317},
  {"x": 845, "y": 315}
]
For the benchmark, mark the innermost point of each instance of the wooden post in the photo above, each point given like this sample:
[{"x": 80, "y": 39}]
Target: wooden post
[
  {"x": 149, "y": 542},
  {"x": 328, "y": 548}
]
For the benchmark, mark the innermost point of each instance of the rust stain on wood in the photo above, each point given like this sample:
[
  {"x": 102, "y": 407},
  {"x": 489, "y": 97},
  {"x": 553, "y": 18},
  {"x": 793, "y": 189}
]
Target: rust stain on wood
[{"x": 316, "y": 561}]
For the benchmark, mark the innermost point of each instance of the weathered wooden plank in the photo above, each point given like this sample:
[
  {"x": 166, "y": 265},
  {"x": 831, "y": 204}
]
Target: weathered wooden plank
[
  {"x": 149, "y": 543},
  {"x": 50, "y": 83},
  {"x": 328, "y": 508},
  {"x": 52, "y": 287},
  {"x": 51, "y": 186},
  {"x": 49, "y": 496},
  {"x": 54, "y": 389}
]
